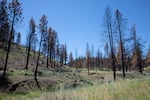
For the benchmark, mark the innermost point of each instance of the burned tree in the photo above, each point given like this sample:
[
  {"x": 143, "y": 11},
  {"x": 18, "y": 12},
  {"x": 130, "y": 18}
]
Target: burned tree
[
  {"x": 109, "y": 31},
  {"x": 43, "y": 31},
  {"x": 137, "y": 50},
  {"x": 30, "y": 39},
  {"x": 119, "y": 24},
  {"x": 88, "y": 58},
  {"x": 15, "y": 15}
]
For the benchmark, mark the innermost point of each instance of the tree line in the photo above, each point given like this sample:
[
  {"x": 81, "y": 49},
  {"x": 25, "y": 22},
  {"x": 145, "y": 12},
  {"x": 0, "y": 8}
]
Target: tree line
[{"x": 122, "y": 51}]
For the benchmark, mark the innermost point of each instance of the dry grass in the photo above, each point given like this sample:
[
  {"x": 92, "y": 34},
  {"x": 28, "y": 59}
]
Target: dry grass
[
  {"x": 135, "y": 87},
  {"x": 122, "y": 89},
  {"x": 128, "y": 89}
]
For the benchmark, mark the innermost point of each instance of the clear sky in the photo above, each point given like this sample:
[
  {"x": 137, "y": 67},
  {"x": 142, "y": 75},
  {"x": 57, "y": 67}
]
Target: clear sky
[{"x": 80, "y": 21}]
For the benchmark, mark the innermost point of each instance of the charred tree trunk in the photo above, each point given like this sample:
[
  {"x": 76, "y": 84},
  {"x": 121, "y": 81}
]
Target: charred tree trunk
[
  {"x": 37, "y": 63},
  {"x": 47, "y": 56},
  {"x": 29, "y": 48},
  {"x": 9, "y": 46}
]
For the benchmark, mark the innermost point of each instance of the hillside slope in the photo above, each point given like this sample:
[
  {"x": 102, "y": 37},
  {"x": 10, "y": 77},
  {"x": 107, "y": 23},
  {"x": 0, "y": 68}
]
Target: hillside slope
[
  {"x": 22, "y": 81},
  {"x": 55, "y": 78}
]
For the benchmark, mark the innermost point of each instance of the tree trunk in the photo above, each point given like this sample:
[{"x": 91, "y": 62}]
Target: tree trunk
[
  {"x": 37, "y": 63},
  {"x": 9, "y": 46},
  {"x": 139, "y": 60},
  {"x": 123, "y": 63},
  {"x": 88, "y": 70},
  {"x": 7, "y": 56},
  {"x": 54, "y": 58},
  {"x": 47, "y": 56},
  {"x": 29, "y": 48},
  {"x": 50, "y": 56}
]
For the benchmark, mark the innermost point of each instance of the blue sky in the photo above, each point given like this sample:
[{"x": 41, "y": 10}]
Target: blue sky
[{"x": 80, "y": 21}]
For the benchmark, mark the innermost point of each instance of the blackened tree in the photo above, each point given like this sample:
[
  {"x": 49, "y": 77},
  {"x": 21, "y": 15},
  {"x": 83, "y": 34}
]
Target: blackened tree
[
  {"x": 71, "y": 59},
  {"x": 137, "y": 50},
  {"x": 57, "y": 52},
  {"x": 30, "y": 39},
  {"x": 4, "y": 26},
  {"x": 65, "y": 54},
  {"x": 98, "y": 58},
  {"x": 108, "y": 25},
  {"x": 106, "y": 49},
  {"x": 119, "y": 24},
  {"x": 62, "y": 54},
  {"x": 4, "y": 22},
  {"x": 52, "y": 45},
  {"x": 56, "y": 43},
  {"x": 43, "y": 31},
  {"x": 88, "y": 58},
  {"x": 76, "y": 61},
  {"x": 92, "y": 57},
  {"x": 15, "y": 15},
  {"x": 48, "y": 44}
]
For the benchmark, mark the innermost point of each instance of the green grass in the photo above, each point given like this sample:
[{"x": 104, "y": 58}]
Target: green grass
[
  {"x": 134, "y": 87},
  {"x": 128, "y": 89},
  {"x": 123, "y": 89},
  {"x": 20, "y": 72},
  {"x": 15, "y": 96}
]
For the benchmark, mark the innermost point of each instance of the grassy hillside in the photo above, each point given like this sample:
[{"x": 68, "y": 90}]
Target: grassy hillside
[
  {"x": 128, "y": 89},
  {"x": 65, "y": 83},
  {"x": 17, "y": 58}
]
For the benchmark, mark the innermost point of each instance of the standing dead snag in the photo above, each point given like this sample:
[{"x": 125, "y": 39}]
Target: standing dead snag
[
  {"x": 15, "y": 15},
  {"x": 30, "y": 39},
  {"x": 120, "y": 21},
  {"x": 43, "y": 31},
  {"x": 109, "y": 30},
  {"x": 137, "y": 49},
  {"x": 88, "y": 60}
]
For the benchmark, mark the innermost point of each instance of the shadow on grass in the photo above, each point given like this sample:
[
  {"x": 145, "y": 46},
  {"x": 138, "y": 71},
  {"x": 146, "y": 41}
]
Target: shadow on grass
[{"x": 4, "y": 83}]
